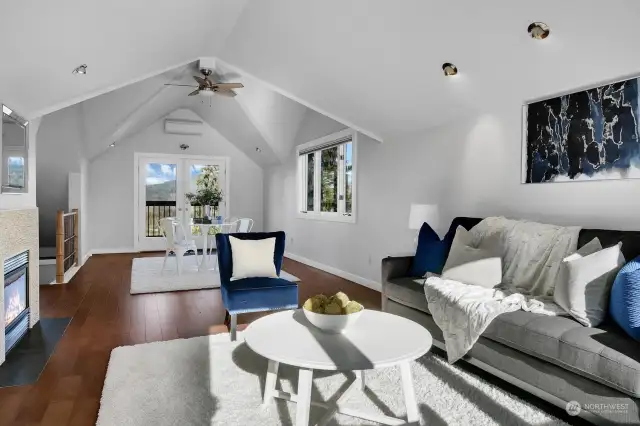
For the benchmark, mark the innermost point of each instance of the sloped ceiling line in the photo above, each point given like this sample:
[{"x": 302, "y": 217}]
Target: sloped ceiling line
[
  {"x": 301, "y": 101},
  {"x": 102, "y": 91},
  {"x": 141, "y": 110}
]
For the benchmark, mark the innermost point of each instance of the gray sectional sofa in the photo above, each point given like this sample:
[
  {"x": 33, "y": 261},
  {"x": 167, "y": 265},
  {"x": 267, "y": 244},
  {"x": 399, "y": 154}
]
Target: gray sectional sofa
[{"x": 554, "y": 358}]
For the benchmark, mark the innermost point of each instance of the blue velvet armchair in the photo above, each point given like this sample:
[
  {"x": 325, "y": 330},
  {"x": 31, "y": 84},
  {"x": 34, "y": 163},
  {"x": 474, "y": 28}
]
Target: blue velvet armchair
[{"x": 253, "y": 294}]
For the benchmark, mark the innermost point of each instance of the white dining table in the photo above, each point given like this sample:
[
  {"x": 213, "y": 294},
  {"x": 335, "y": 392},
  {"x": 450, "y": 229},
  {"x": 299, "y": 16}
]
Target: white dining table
[{"x": 204, "y": 229}]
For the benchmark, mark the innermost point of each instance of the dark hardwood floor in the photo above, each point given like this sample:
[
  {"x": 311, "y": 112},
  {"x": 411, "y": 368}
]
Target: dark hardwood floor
[{"x": 105, "y": 316}]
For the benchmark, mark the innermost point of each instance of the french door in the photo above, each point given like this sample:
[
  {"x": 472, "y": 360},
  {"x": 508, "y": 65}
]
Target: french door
[{"x": 162, "y": 181}]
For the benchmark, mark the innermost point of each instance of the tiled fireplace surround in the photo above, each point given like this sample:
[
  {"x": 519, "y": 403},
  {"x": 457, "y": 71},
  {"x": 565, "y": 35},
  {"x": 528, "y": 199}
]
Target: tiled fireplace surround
[{"x": 19, "y": 232}]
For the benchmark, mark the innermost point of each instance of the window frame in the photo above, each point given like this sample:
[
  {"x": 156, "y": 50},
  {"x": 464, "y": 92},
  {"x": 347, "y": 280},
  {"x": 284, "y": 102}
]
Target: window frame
[{"x": 302, "y": 174}]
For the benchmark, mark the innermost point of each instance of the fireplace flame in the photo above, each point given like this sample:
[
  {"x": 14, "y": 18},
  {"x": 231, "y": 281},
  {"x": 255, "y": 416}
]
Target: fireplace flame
[{"x": 15, "y": 306}]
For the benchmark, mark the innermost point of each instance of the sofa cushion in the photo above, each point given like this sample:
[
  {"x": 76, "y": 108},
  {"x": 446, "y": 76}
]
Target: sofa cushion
[
  {"x": 431, "y": 252},
  {"x": 624, "y": 305},
  {"x": 602, "y": 354},
  {"x": 408, "y": 292},
  {"x": 589, "y": 281},
  {"x": 481, "y": 266}
]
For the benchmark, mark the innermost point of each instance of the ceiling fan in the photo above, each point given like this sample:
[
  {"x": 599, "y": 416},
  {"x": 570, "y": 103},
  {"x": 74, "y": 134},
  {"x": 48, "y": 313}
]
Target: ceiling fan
[{"x": 207, "y": 87}]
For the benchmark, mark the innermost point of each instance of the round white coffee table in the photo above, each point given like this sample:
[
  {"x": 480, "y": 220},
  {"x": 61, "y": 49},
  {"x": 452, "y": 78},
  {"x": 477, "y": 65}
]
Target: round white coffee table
[{"x": 376, "y": 340}]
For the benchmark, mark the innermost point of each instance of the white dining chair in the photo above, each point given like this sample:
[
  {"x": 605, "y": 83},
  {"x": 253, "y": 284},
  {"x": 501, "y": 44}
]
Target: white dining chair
[
  {"x": 245, "y": 224},
  {"x": 176, "y": 243}
]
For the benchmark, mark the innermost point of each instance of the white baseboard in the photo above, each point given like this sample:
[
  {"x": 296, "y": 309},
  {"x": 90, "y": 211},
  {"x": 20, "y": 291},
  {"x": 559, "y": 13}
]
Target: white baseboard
[
  {"x": 113, "y": 250},
  {"x": 68, "y": 275},
  {"x": 330, "y": 269},
  {"x": 86, "y": 257}
]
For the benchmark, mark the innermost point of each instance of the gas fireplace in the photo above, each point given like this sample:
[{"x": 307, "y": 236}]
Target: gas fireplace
[{"x": 16, "y": 299}]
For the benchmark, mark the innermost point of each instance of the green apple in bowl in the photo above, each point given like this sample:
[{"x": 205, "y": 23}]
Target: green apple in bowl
[{"x": 333, "y": 314}]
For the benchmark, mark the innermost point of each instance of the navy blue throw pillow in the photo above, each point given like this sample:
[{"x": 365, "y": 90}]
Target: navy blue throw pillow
[{"x": 432, "y": 252}]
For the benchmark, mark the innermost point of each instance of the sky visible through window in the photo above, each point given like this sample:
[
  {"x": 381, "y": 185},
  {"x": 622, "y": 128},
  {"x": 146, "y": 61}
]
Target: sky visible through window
[{"x": 160, "y": 173}]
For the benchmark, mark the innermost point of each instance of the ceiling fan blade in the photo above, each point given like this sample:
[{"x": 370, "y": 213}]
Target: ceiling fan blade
[
  {"x": 226, "y": 93},
  {"x": 195, "y": 92},
  {"x": 201, "y": 81},
  {"x": 228, "y": 86},
  {"x": 183, "y": 85}
]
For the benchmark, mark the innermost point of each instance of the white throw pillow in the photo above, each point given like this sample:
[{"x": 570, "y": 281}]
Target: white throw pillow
[
  {"x": 253, "y": 258},
  {"x": 561, "y": 289},
  {"x": 589, "y": 280},
  {"x": 470, "y": 265}
]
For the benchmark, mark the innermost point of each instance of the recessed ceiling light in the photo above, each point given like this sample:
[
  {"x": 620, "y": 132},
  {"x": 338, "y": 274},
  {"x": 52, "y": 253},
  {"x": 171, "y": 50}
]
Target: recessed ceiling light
[
  {"x": 113, "y": 144},
  {"x": 6, "y": 110},
  {"x": 449, "y": 69},
  {"x": 539, "y": 30},
  {"x": 82, "y": 69},
  {"x": 258, "y": 149}
]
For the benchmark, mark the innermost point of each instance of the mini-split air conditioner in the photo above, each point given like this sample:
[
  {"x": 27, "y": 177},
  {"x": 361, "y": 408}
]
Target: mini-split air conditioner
[{"x": 183, "y": 127}]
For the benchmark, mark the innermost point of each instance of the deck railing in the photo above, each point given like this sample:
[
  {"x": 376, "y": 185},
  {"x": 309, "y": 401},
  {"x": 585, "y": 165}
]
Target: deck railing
[
  {"x": 66, "y": 242},
  {"x": 157, "y": 210}
]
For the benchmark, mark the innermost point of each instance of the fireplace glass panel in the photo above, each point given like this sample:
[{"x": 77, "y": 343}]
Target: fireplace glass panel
[{"x": 15, "y": 296}]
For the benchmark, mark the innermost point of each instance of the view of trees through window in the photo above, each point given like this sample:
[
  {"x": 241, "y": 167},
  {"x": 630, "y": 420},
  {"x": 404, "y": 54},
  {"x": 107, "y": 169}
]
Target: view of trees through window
[
  {"x": 328, "y": 180},
  {"x": 310, "y": 187},
  {"x": 348, "y": 178},
  {"x": 15, "y": 168}
]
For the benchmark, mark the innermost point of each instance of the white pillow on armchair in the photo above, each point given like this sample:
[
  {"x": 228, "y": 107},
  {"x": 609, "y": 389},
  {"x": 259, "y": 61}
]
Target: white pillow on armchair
[{"x": 253, "y": 258}]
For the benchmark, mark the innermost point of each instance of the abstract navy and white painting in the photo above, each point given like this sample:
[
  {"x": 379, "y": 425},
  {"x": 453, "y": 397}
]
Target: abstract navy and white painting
[{"x": 588, "y": 135}]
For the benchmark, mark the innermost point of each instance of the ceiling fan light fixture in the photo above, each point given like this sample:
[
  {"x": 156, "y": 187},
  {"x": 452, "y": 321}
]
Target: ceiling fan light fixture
[
  {"x": 206, "y": 92},
  {"x": 449, "y": 69},
  {"x": 82, "y": 69},
  {"x": 539, "y": 30}
]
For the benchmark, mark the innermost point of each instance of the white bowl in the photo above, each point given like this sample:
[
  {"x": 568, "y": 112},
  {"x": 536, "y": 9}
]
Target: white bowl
[{"x": 333, "y": 324}]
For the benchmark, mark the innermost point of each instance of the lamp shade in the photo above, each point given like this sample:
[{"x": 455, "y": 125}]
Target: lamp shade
[{"x": 421, "y": 213}]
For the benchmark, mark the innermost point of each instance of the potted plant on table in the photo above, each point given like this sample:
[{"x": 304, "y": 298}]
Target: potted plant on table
[{"x": 208, "y": 192}]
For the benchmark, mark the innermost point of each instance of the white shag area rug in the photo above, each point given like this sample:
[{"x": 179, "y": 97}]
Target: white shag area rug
[
  {"x": 211, "y": 381},
  {"x": 147, "y": 275}
]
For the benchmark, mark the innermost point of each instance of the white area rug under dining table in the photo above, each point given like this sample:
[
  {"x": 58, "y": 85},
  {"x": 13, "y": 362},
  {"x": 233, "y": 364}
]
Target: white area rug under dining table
[
  {"x": 147, "y": 275},
  {"x": 211, "y": 381}
]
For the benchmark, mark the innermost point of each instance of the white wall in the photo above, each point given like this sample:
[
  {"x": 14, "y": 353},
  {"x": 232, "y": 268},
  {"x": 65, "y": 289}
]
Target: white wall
[
  {"x": 484, "y": 154},
  {"x": 60, "y": 150},
  {"x": 390, "y": 177},
  {"x": 277, "y": 117},
  {"x": 468, "y": 168},
  {"x": 111, "y": 180}
]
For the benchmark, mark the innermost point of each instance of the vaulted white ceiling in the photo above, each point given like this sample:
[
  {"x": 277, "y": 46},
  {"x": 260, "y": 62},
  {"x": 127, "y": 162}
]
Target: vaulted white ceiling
[
  {"x": 377, "y": 63},
  {"x": 374, "y": 65},
  {"x": 257, "y": 118},
  {"x": 122, "y": 41}
]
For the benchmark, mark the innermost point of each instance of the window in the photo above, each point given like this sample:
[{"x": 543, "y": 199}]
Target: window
[
  {"x": 326, "y": 176},
  {"x": 15, "y": 171}
]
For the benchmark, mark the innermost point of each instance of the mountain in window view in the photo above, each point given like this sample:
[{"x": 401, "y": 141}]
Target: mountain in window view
[{"x": 165, "y": 191}]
